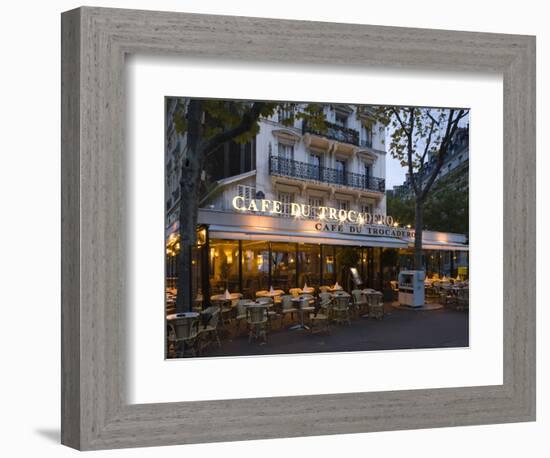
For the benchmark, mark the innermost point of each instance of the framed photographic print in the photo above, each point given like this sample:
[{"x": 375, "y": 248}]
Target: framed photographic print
[{"x": 283, "y": 237}]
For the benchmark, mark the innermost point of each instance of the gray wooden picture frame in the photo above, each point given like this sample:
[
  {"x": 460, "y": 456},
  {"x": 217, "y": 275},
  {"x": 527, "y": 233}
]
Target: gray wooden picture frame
[{"x": 95, "y": 412}]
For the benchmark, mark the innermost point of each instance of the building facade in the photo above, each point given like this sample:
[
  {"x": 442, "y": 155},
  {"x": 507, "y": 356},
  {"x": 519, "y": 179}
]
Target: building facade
[
  {"x": 456, "y": 163},
  {"x": 294, "y": 206}
]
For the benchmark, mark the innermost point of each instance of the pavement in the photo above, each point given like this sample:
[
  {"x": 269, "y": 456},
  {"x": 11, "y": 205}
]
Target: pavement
[{"x": 400, "y": 329}]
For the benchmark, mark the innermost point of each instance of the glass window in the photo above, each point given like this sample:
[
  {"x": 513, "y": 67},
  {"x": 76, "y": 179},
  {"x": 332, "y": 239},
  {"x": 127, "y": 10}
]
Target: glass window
[
  {"x": 309, "y": 262},
  {"x": 374, "y": 260},
  {"x": 315, "y": 166},
  {"x": 255, "y": 267},
  {"x": 329, "y": 265},
  {"x": 314, "y": 204},
  {"x": 340, "y": 171},
  {"x": 342, "y": 204},
  {"x": 286, "y": 199},
  {"x": 347, "y": 257},
  {"x": 224, "y": 266},
  {"x": 246, "y": 192},
  {"x": 390, "y": 269},
  {"x": 283, "y": 265},
  {"x": 286, "y": 151}
]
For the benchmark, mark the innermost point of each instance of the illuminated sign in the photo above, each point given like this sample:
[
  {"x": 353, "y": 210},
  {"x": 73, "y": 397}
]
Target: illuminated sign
[{"x": 304, "y": 210}]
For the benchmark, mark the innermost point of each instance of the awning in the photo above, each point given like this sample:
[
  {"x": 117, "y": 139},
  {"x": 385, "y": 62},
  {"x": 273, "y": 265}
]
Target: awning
[
  {"x": 257, "y": 234},
  {"x": 445, "y": 246}
]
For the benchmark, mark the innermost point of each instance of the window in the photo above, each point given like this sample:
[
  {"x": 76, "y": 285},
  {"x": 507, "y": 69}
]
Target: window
[
  {"x": 286, "y": 151},
  {"x": 315, "y": 166},
  {"x": 314, "y": 204},
  {"x": 340, "y": 172},
  {"x": 342, "y": 204},
  {"x": 286, "y": 199},
  {"x": 366, "y": 208},
  {"x": 247, "y": 192},
  {"x": 367, "y": 172},
  {"x": 366, "y": 134}
]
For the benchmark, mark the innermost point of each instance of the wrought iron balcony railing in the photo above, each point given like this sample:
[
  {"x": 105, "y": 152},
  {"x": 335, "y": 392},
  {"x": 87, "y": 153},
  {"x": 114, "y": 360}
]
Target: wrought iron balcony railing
[
  {"x": 334, "y": 132},
  {"x": 303, "y": 171}
]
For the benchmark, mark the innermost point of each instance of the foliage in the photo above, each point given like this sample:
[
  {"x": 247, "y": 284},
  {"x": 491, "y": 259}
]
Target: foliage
[
  {"x": 445, "y": 208},
  {"x": 419, "y": 136},
  {"x": 220, "y": 116},
  {"x": 347, "y": 257}
]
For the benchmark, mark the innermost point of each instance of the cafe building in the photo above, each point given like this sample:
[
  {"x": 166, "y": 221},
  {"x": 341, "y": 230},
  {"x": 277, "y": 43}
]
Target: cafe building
[{"x": 296, "y": 206}]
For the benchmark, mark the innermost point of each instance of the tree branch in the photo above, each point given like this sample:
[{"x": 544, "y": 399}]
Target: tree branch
[
  {"x": 452, "y": 125},
  {"x": 396, "y": 113},
  {"x": 249, "y": 118}
]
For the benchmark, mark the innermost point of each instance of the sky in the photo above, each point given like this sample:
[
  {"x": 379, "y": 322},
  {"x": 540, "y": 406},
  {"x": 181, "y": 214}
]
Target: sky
[{"x": 395, "y": 173}]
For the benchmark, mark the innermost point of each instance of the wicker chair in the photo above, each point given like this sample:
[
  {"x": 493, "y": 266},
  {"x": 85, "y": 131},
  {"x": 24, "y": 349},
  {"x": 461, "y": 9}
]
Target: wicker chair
[
  {"x": 326, "y": 304},
  {"x": 324, "y": 289},
  {"x": 242, "y": 313},
  {"x": 258, "y": 322},
  {"x": 209, "y": 333},
  {"x": 463, "y": 299},
  {"x": 341, "y": 309},
  {"x": 287, "y": 307},
  {"x": 376, "y": 306},
  {"x": 183, "y": 333},
  {"x": 360, "y": 303},
  {"x": 307, "y": 304},
  {"x": 319, "y": 322},
  {"x": 272, "y": 309}
]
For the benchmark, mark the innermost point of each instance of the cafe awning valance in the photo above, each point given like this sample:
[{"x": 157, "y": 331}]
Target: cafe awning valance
[{"x": 256, "y": 234}]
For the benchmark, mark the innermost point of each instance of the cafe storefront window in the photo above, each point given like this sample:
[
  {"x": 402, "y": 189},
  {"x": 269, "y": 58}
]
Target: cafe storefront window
[
  {"x": 347, "y": 257},
  {"x": 255, "y": 267},
  {"x": 283, "y": 265},
  {"x": 224, "y": 265},
  {"x": 309, "y": 264},
  {"x": 328, "y": 260}
]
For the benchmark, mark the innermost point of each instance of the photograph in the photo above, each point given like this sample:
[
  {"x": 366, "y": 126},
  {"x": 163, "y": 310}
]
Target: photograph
[{"x": 297, "y": 227}]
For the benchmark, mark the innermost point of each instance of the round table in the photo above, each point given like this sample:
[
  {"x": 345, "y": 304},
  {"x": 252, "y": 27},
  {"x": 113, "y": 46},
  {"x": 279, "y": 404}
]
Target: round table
[{"x": 300, "y": 300}]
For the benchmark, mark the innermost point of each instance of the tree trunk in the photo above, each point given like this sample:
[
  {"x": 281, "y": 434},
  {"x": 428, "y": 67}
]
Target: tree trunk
[
  {"x": 189, "y": 193},
  {"x": 419, "y": 208}
]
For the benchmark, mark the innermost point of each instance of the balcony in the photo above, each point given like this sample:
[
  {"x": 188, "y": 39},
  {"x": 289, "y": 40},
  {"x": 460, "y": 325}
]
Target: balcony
[
  {"x": 282, "y": 167},
  {"x": 334, "y": 132}
]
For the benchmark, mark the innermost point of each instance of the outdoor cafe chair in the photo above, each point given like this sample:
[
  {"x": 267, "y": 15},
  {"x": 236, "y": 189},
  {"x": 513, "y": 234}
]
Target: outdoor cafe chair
[
  {"x": 359, "y": 300},
  {"x": 209, "y": 333},
  {"x": 324, "y": 289},
  {"x": 242, "y": 313},
  {"x": 183, "y": 333},
  {"x": 287, "y": 307},
  {"x": 463, "y": 299},
  {"x": 257, "y": 322},
  {"x": 325, "y": 303},
  {"x": 295, "y": 292},
  {"x": 341, "y": 309},
  {"x": 319, "y": 322},
  {"x": 307, "y": 304},
  {"x": 262, "y": 293},
  {"x": 376, "y": 305}
]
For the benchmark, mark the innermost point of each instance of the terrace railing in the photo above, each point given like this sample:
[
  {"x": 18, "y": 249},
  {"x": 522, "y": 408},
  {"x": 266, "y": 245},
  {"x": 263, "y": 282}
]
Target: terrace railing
[
  {"x": 334, "y": 132},
  {"x": 290, "y": 168}
]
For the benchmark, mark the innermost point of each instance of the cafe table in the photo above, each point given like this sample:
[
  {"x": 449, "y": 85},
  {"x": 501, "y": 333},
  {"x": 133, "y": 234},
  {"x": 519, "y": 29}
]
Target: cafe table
[{"x": 299, "y": 301}]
